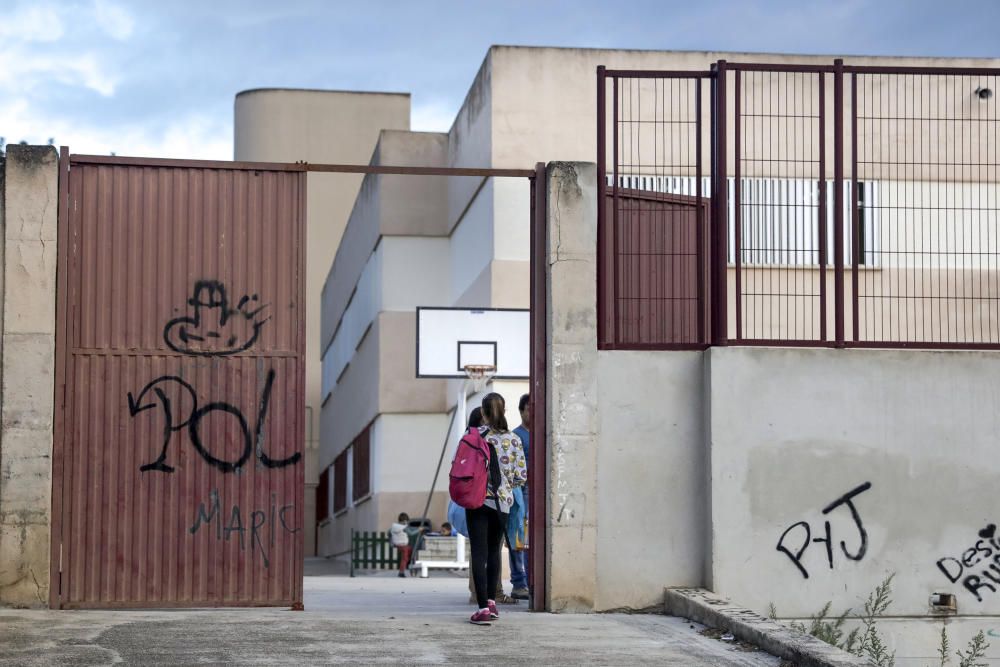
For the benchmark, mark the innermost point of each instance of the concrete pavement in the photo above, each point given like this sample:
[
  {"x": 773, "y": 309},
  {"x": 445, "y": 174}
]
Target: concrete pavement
[{"x": 371, "y": 619}]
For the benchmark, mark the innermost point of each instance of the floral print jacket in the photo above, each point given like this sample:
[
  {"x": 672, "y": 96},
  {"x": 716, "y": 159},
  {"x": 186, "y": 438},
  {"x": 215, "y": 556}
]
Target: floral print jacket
[{"x": 513, "y": 468}]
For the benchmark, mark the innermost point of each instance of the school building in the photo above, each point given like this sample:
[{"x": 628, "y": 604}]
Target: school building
[{"x": 642, "y": 420}]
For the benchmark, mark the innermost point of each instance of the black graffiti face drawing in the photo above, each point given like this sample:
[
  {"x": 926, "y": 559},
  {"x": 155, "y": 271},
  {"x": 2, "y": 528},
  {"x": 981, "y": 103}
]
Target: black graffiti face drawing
[
  {"x": 216, "y": 328},
  {"x": 212, "y": 331}
]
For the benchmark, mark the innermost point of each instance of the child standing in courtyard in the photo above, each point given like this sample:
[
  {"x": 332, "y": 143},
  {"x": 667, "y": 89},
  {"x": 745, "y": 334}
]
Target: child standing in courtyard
[{"x": 399, "y": 539}]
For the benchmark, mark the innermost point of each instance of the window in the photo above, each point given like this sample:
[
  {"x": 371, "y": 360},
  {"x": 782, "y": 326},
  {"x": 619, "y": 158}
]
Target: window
[
  {"x": 780, "y": 217},
  {"x": 361, "y": 465},
  {"x": 340, "y": 482},
  {"x": 323, "y": 496}
]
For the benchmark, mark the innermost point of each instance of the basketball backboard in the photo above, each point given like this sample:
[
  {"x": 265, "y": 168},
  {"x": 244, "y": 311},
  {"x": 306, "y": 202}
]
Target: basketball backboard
[{"x": 448, "y": 339}]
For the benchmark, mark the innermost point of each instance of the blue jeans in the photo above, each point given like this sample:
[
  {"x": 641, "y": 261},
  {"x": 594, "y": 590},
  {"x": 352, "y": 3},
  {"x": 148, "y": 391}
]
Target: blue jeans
[
  {"x": 518, "y": 569},
  {"x": 519, "y": 561}
]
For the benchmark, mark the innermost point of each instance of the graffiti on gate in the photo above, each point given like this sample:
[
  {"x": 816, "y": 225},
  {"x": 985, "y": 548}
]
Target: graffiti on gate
[
  {"x": 191, "y": 420},
  {"x": 255, "y": 529},
  {"x": 215, "y": 329},
  {"x": 177, "y": 398},
  {"x": 984, "y": 553},
  {"x": 802, "y": 527}
]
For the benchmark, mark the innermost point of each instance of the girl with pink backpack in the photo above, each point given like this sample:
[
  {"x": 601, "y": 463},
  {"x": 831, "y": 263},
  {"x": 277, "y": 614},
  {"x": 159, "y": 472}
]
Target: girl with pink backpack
[{"x": 490, "y": 461}]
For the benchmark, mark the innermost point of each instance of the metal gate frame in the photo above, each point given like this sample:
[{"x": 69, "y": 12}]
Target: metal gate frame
[
  {"x": 538, "y": 344},
  {"x": 846, "y": 252},
  {"x": 707, "y": 229}
]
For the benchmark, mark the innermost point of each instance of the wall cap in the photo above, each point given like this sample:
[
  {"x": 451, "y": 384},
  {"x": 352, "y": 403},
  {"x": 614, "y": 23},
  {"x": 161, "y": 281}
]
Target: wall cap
[{"x": 709, "y": 609}]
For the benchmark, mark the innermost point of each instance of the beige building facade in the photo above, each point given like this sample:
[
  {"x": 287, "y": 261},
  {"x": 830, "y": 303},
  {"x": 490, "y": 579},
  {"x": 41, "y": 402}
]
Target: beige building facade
[
  {"x": 525, "y": 105},
  {"x": 294, "y": 125}
]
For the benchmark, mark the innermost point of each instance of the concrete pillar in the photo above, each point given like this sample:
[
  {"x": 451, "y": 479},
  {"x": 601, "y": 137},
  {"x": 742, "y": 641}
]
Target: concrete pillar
[
  {"x": 28, "y": 214},
  {"x": 572, "y": 386}
]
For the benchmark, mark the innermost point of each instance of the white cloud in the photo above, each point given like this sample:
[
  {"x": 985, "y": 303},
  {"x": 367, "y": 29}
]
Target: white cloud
[
  {"x": 36, "y": 52},
  {"x": 23, "y": 71},
  {"x": 193, "y": 136},
  {"x": 114, "y": 20},
  {"x": 34, "y": 23}
]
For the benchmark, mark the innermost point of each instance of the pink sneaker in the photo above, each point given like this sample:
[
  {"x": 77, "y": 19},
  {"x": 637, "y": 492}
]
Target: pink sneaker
[
  {"x": 494, "y": 614},
  {"x": 481, "y": 617}
]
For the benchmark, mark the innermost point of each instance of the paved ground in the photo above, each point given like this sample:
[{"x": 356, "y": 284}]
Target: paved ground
[{"x": 374, "y": 619}]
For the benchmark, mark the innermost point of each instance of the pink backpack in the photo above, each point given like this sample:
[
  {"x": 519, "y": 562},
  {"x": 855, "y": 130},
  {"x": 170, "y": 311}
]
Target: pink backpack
[{"x": 469, "y": 471}]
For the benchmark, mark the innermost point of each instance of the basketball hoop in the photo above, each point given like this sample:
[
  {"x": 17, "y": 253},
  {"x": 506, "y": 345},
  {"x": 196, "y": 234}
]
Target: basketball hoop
[{"x": 479, "y": 374}]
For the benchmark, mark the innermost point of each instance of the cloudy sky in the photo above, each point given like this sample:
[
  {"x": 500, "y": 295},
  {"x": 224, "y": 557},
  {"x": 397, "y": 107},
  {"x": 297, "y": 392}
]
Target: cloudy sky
[{"x": 148, "y": 77}]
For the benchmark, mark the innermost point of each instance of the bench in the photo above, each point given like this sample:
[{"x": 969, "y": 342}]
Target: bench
[{"x": 444, "y": 553}]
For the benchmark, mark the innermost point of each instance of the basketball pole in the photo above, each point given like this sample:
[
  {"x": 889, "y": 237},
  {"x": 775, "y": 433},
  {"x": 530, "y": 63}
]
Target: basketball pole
[{"x": 437, "y": 471}]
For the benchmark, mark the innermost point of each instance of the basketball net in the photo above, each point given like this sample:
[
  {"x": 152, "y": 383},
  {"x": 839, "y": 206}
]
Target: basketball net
[{"x": 479, "y": 375}]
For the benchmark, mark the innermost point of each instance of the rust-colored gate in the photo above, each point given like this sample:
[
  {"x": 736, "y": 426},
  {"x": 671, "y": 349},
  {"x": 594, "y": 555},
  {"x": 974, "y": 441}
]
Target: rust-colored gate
[
  {"x": 653, "y": 280},
  {"x": 178, "y": 475}
]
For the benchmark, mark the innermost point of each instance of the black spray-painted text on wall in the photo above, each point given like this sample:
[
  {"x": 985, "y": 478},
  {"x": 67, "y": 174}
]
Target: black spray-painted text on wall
[
  {"x": 212, "y": 331},
  {"x": 979, "y": 566},
  {"x": 255, "y": 529},
  {"x": 804, "y": 533}
]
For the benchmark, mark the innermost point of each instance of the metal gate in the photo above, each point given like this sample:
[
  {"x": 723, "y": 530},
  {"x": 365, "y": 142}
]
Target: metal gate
[
  {"x": 850, "y": 205},
  {"x": 178, "y": 475}
]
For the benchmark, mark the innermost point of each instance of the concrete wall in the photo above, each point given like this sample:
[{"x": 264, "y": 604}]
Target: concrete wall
[
  {"x": 907, "y": 438},
  {"x": 626, "y": 462},
  {"x": 726, "y": 468},
  {"x": 288, "y": 125},
  {"x": 571, "y": 376},
  {"x": 28, "y": 219}
]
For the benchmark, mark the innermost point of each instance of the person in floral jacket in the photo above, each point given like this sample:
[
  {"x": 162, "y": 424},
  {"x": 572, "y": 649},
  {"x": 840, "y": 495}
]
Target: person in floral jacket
[{"x": 487, "y": 524}]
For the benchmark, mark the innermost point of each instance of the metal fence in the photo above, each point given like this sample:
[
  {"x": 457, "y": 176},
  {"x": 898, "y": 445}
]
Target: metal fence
[
  {"x": 372, "y": 550},
  {"x": 830, "y": 205}
]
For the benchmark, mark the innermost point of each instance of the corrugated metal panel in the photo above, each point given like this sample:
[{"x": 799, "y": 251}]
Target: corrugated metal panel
[
  {"x": 652, "y": 271},
  {"x": 182, "y": 419}
]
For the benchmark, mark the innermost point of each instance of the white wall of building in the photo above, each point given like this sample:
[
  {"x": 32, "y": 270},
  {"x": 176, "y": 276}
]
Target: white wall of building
[
  {"x": 511, "y": 219},
  {"x": 416, "y": 272},
  {"x": 402, "y": 273},
  {"x": 364, "y": 306},
  {"x": 406, "y": 451},
  {"x": 472, "y": 242}
]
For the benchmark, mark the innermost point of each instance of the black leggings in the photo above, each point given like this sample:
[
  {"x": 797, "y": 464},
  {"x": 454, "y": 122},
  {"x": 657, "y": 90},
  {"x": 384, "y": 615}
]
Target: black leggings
[{"x": 485, "y": 540}]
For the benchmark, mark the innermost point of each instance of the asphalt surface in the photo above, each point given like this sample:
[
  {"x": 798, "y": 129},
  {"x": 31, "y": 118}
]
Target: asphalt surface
[{"x": 371, "y": 620}]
